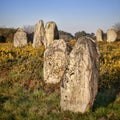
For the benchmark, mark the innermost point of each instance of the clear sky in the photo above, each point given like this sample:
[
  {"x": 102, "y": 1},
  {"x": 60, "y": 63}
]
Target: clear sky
[{"x": 70, "y": 15}]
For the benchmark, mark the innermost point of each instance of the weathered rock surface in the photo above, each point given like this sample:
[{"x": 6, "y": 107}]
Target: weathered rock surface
[
  {"x": 99, "y": 35},
  {"x": 51, "y": 33},
  {"x": 55, "y": 61},
  {"x": 39, "y": 32},
  {"x": 111, "y": 35},
  {"x": 20, "y": 38},
  {"x": 79, "y": 85}
]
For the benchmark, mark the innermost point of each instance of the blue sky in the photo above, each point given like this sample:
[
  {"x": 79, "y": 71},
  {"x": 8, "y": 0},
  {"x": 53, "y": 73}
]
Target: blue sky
[{"x": 70, "y": 15}]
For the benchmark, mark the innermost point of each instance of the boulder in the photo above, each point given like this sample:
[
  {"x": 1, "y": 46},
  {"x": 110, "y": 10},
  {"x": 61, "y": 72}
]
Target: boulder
[
  {"x": 39, "y": 31},
  {"x": 51, "y": 33},
  {"x": 55, "y": 57},
  {"x": 79, "y": 85},
  {"x": 111, "y": 35},
  {"x": 20, "y": 38},
  {"x": 99, "y": 35}
]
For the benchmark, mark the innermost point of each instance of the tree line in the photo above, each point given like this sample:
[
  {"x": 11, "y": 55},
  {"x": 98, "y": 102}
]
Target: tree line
[{"x": 7, "y": 34}]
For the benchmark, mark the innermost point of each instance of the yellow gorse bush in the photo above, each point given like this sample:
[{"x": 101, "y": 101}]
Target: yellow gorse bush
[
  {"x": 72, "y": 42},
  {"x": 27, "y": 62},
  {"x": 9, "y": 52},
  {"x": 21, "y": 65},
  {"x": 109, "y": 65}
]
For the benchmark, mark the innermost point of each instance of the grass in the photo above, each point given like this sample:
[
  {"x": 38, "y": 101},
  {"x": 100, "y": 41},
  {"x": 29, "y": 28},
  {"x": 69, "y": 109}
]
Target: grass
[{"x": 25, "y": 96}]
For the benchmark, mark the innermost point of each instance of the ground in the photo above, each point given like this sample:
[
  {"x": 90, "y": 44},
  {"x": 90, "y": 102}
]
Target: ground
[{"x": 25, "y": 96}]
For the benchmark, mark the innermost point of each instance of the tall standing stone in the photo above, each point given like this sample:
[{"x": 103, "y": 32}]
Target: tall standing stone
[
  {"x": 51, "y": 33},
  {"x": 38, "y": 34},
  {"x": 20, "y": 38},
  {"x": 80, "y": 81},
  {"x": 55, "y": 57},
  {"x": 111, "y": 35},
  {"x": 99, "y": 35}
]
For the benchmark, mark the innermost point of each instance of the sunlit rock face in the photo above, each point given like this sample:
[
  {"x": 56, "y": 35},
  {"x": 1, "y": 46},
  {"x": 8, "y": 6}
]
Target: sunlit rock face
[
  {"x": 55, "y": 59},
  {"x": 20, "y": 38},
  {"x": 99, "y": 35},
  {"x": 111, "y": 35},
  {"x": 39, "y": 32},
  {"x": 79, "y": 85},
  {"x": 51, "y": 33}
]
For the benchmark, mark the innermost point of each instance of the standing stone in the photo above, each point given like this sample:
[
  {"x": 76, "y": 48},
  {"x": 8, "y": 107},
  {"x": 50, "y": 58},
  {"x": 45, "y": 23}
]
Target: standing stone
[
  {"x": 111, "y": 35},
  {"x": 99, "y": 35},
  {"x": 38, "y": 34},
  {"x": 55, "y": 61},
  {"x": 20, "y": 38},
  {"x": 80, "y": 81},
  {"x": 51, "y": 33}
]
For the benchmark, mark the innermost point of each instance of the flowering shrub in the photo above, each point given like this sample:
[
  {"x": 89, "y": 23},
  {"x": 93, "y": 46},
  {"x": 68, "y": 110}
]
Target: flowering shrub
[
  {"x": 20, "y": 64},
  {"x": 72, "y": 42},
  {"x": 27, "y": 63},
  {"x": 8, "y": 52},
  {"x": 109, "y": 65}
]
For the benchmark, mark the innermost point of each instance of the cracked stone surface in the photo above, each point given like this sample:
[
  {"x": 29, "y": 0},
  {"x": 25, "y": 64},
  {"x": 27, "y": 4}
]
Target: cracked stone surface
[
  {"x": 55, "y": 57},
  {"x": 79, "y": 85}
]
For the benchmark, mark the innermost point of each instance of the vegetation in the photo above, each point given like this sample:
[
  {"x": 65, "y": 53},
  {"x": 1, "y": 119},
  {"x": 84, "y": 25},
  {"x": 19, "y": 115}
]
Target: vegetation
[
  {"x": 83, "y": 33},
  {"x": 109, "y": 65},
  {"x": 6, "y": 34},
  {"x": 117, "y": 26},
  {"x": 28, "y": 28},
  {"x": 65, "y": 35},
  {"x": 25, "y": 96}
]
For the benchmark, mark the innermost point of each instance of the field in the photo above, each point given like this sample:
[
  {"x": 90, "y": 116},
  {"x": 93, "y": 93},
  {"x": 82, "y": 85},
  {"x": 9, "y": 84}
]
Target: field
[{"x": 25, "y": 96}]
